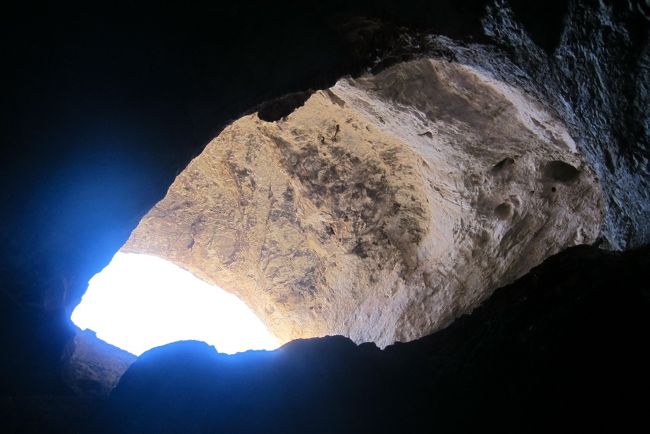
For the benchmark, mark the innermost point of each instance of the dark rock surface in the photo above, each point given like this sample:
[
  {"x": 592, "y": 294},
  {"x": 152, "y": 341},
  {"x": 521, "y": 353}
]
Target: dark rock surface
[
  {"x": 552, "y": 352},
  {"x": 103, "y": 107},
  {"x": 92, "y": 367}
]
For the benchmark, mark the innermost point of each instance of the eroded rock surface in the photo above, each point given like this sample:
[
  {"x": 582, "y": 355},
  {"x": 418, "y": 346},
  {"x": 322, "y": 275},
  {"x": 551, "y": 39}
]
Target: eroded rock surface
[
  {"x": 382, "y": 208},
  {"x": 91, "y": 366},
  {"x": 598, "y": 79}
]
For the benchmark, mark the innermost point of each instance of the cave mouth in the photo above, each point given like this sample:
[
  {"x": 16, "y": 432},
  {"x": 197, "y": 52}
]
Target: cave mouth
[{"x": 139, "y": 302}]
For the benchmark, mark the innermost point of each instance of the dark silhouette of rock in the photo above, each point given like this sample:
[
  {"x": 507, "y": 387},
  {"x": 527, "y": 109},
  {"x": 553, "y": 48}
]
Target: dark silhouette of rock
[
  {"x": 91, "y": 366},
  {"x": 553, "y": 351}
]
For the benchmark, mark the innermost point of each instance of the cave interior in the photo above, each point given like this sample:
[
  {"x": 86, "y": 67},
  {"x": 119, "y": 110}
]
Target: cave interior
[{"x": 440, "y": 210}]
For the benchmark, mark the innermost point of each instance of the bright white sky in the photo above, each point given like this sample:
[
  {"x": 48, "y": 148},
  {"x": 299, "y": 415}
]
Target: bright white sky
[{"x": 139, "y": 302}]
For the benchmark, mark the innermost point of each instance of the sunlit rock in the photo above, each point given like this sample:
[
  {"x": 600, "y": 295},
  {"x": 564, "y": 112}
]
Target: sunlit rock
[{"x": 382, "y": 208}]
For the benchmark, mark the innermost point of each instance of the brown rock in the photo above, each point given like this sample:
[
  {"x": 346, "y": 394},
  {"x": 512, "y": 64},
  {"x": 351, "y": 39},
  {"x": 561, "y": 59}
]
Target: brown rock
[{"x": 382, "y": 208}]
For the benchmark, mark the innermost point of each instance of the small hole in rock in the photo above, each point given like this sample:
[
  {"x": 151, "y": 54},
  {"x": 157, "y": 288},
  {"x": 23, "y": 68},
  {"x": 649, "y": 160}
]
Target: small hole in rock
[
  {"x": 282, "y": 107},
  {"x": 503, "y": 211},
  {"x": 503, "y": 165},
  {"x": 561, "y": 172}
]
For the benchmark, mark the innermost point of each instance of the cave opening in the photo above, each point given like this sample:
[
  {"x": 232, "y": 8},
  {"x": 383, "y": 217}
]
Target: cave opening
[
  {"x": 141, "y": 301},
  {"x": 343, "y": 218}
]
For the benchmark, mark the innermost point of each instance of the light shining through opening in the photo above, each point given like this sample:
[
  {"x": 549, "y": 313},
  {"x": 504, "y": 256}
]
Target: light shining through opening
[{"x": 139, "y": 302}]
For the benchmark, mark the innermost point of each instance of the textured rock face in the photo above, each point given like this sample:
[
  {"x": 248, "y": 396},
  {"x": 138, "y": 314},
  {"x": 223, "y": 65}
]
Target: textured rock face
[
  {"x": 92, "y": 366},
  {"x": 93, "y": 144},
  {"x": 598, "y": 79},
  {"x": 383, "y": 207}
]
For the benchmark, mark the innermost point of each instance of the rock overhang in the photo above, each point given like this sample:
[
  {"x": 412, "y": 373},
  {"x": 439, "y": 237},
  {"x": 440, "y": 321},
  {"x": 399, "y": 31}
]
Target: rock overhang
[{"x": 383, "y": 207}]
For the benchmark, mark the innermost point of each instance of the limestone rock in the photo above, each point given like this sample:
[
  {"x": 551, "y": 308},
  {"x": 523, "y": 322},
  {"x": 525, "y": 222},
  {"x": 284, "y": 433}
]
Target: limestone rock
[
  {"x": 597, "y": 79},
  {"x": 383, "y": 207}
]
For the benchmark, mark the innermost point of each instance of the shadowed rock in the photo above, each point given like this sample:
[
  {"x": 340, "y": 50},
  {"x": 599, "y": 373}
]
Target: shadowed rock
[{"x": 552, "y": 350}]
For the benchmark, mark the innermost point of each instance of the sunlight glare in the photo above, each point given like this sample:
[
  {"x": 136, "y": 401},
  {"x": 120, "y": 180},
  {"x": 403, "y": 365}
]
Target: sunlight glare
[{"x": 139, "y": 302}]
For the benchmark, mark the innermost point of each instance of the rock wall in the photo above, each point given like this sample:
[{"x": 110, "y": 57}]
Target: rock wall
[
  {"x": 536, "y": 356},
  {"x": 383, "y": 207},
  {"x": 605, "y": 44},
  {"x": 92, "y": 367}
]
